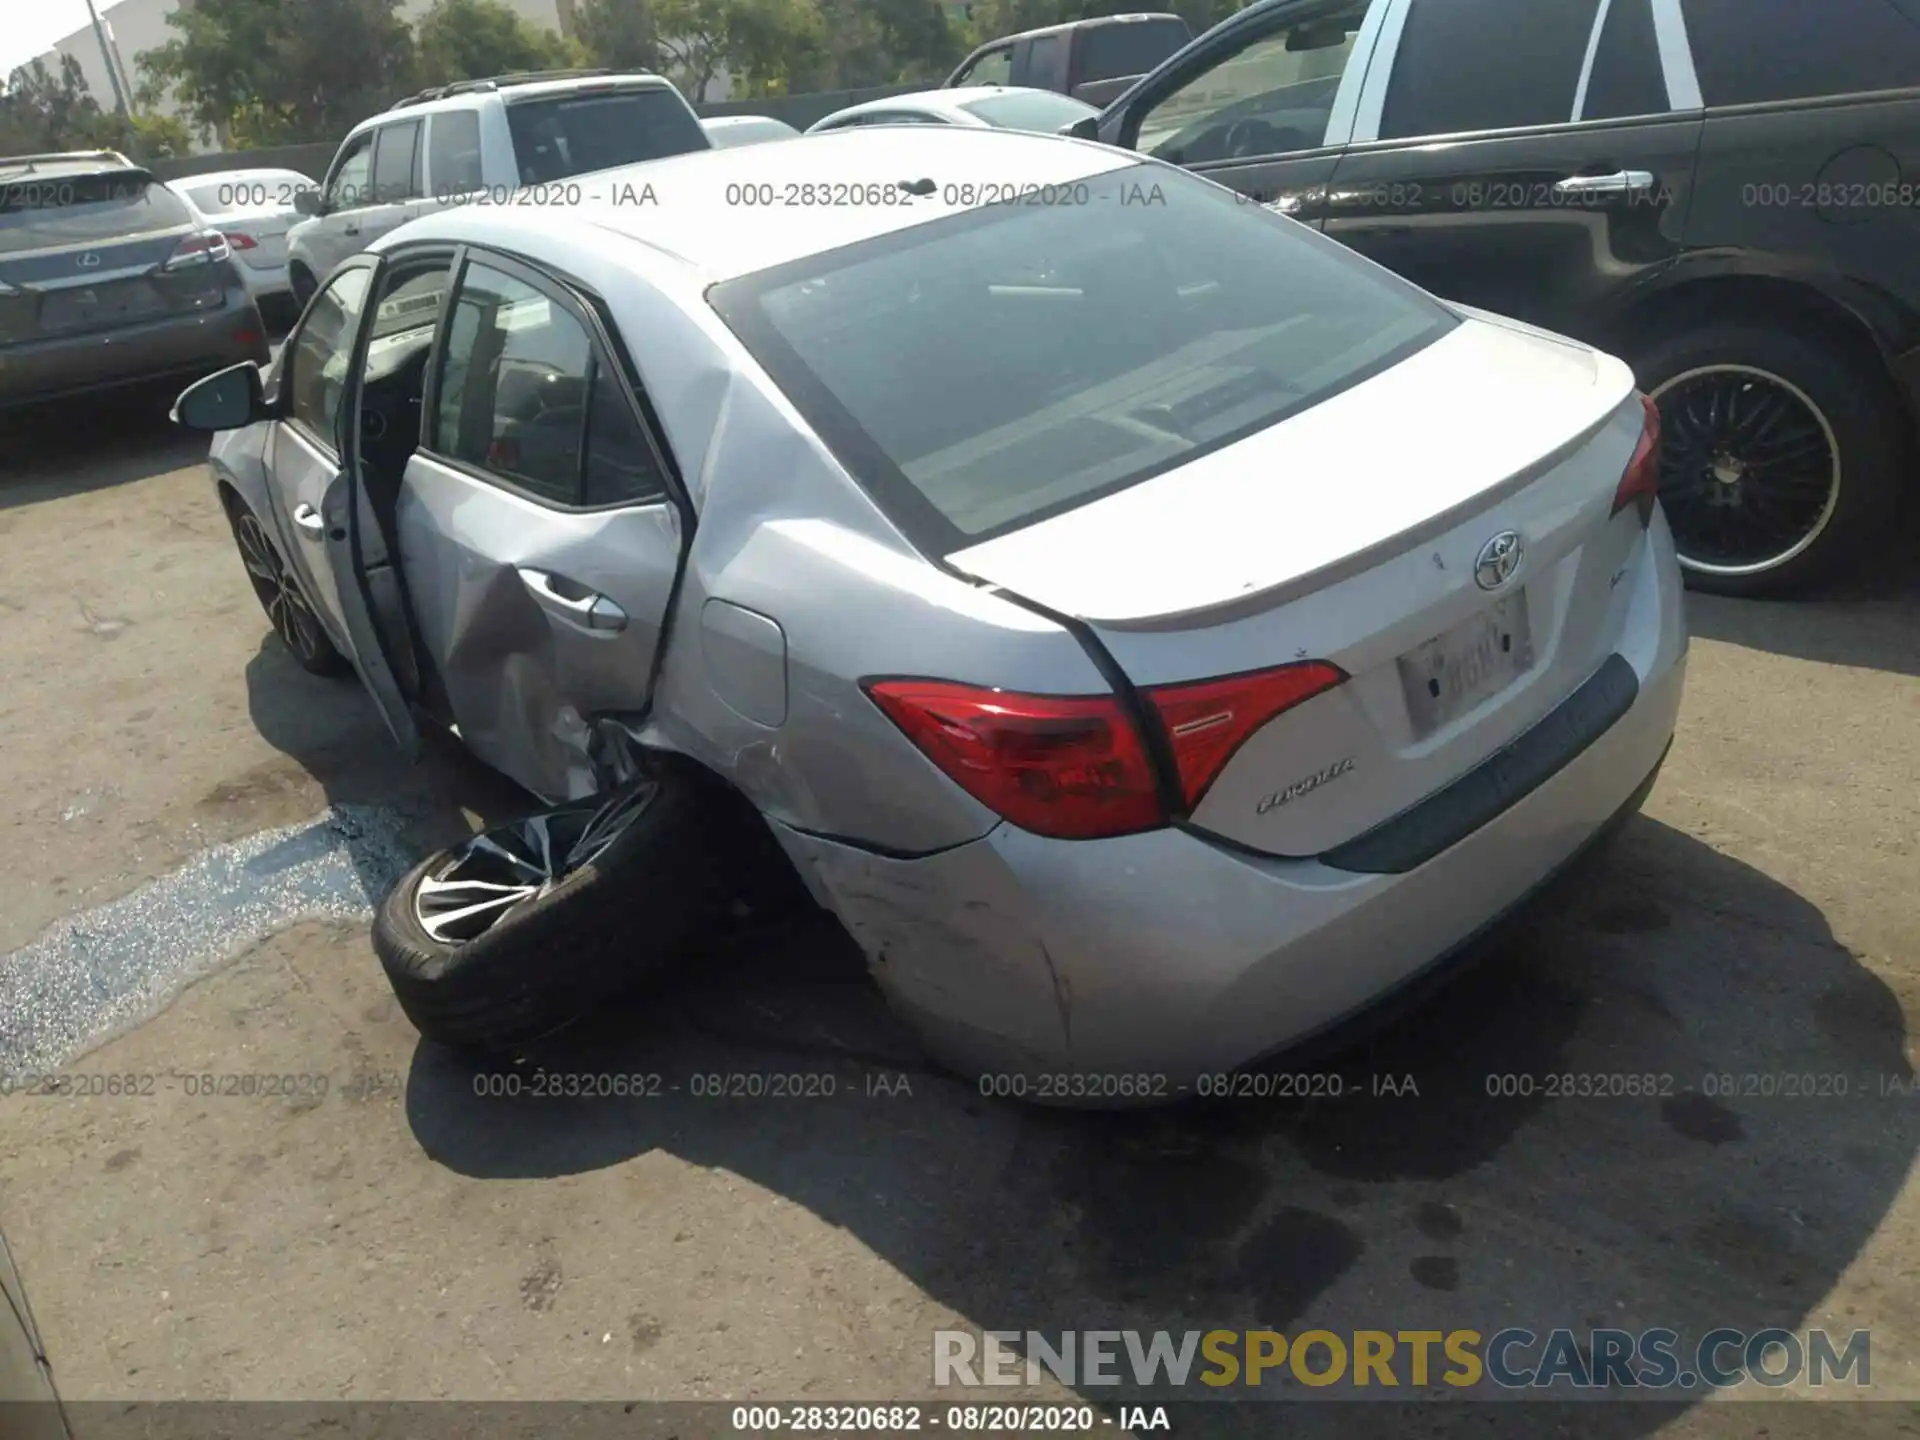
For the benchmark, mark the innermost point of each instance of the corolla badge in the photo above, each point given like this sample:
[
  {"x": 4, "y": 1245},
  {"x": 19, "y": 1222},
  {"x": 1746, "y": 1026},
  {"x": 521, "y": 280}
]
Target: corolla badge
[
  {"x": 1497, "y": 560},
  {"x": 89, "y": 261},
  {"x": 1304, "y": 786}
]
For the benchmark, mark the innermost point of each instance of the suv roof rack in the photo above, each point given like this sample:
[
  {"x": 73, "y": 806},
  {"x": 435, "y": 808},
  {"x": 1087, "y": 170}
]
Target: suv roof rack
[
  {"x": 503, "y": 82},
  {"x": 9, "y": 162}
]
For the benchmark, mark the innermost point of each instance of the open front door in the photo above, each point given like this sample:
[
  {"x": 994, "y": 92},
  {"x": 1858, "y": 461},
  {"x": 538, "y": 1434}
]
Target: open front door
[{"x": 325, "y": 524}]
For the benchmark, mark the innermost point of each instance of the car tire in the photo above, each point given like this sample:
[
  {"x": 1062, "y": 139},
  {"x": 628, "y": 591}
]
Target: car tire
[
  {"x": 289, "y": 611},
  {"x": 623, "y": 908},
  {"x": 304, "y": 286},
  {"x": 1794, "y": 420}
]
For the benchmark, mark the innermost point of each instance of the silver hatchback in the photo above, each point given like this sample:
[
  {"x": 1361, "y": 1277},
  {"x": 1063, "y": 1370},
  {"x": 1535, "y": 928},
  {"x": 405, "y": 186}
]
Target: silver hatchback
[{"x": 1155, "y": 631}]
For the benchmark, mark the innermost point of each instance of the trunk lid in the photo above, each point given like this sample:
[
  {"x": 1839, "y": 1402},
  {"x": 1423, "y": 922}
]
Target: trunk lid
[{"x": 1350, "y": 533}]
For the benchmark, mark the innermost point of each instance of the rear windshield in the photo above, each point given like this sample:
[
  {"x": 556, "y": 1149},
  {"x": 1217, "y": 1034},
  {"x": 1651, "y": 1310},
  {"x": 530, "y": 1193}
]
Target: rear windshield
[
  {"x": 576, "y": 133},
  {"x": 1037, "y": 110},
  {"x": 1133, "y": 48},
  {"x": 38, "y": 213},
  {"x": 255, "y": 190},
  {"x": 987, "y": 370}
]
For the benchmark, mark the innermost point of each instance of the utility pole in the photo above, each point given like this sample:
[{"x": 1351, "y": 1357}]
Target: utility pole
[{"x": 106, "y": 59}]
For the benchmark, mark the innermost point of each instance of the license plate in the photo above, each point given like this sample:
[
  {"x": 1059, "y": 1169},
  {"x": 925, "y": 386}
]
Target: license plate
[{"x": 1477, "y": 659}]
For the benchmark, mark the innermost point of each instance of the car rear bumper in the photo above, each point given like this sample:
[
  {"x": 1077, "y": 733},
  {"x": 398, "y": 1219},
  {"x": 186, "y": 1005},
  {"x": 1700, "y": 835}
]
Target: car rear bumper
[
  {"x": 1136, "y": 965},
  {"x": 177, "y": 346}
]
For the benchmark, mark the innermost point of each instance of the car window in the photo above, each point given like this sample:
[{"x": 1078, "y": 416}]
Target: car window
[
  {"x": 82, "y": 209},
  {"x": 1063, "y": 352},
  {"x": 1626, "y": 78},
  {"x": 453, "y": 152},
  {"x": 1748, "y": 51},
  {"x": 993, "y": 68},
  {"x": 396, "y": 163},
  {"x": 571, "y": 134},
  {"x": 620, "y": 464},
  {"x": 1046, "y": 61},
  {"x": 317, "y": 358},
  {"x": 351, "y": 185},
  {"x": 1041, "y": 111},
  {"x": 1467, "y": 65},
  {"x": 1272, "y": 95},
  {"x": 1108, "y": 52},
  {"x": 513, "y": 385}
]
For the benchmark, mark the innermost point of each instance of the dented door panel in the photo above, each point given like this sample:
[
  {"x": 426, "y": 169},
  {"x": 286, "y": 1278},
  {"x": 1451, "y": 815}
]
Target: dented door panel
[{"x": 537, "y": 619}]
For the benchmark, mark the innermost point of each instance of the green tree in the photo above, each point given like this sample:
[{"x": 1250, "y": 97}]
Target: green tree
[
  {"x": 618, "y": 34},
  {"x": 41, "y": 111},
  {"x": 472, "y": 39},
  {"x": 278, "y": 72}
]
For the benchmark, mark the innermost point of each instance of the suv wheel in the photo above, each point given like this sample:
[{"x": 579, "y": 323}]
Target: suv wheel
[
  {"x": 304, "y": 286},
  {"x": 1781, "y": 455}
]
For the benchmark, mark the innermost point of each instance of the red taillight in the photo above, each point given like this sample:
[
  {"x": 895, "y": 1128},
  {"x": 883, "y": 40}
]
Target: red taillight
[
  {"x": 202, "y": 249},
  {"x": 1207, "y": 721},
  {"x": 1640, "y": 484},
  {"x": 241, "y": 242},
  {"x": 1070, "y": 767}
]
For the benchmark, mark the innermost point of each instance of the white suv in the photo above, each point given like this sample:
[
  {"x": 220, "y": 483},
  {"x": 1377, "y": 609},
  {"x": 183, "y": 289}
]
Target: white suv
[{"x": 483, "y": 142}]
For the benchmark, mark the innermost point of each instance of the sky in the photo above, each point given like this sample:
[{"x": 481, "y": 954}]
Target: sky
[{"x": 29, "y": 27}]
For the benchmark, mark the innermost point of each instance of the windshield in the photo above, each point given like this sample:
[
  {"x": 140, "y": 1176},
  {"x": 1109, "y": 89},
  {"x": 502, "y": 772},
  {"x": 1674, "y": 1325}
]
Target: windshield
[
  {"x": 985, "y": 371},
  {"x": 1038, "y": 110},
  {"x": 40, "y": 214},
  {"x": 578, "y": 132}
]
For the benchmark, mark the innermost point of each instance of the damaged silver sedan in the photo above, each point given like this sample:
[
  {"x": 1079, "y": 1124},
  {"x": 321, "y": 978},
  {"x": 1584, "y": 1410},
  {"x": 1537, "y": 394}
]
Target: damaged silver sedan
[{"x": 1153, "y": 630}]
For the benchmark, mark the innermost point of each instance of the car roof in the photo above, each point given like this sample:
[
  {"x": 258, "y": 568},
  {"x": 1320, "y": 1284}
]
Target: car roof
[
  {"x": 716, "y": 121},
  {"x": 229, "y": 177},
  {"x": 691, "y": 206},
  {"x": 463, "y": 94},
  {"x": 944, "y": 100},
  {"x": 1092, "y": 22}
]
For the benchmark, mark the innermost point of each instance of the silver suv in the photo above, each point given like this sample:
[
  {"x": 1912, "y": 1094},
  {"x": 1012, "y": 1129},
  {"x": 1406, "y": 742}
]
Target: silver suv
[{"x": 483, "y": 142}]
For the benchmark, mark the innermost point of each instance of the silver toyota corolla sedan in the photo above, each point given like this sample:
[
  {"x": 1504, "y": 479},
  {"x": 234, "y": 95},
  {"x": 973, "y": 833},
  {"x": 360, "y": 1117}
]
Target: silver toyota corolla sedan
[{"x": 1154, "y": 630}]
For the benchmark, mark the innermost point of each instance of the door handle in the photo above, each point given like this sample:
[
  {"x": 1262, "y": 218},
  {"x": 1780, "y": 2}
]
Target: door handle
[
  {"x": 1620, "y": 182},
  {"x": 585, "y": 610},
  {"x": 309, "y": 521}
]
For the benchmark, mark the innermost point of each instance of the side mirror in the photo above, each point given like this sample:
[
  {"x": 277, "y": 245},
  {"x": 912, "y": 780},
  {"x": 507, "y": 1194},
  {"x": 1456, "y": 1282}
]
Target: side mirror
[
  {"x": 309, "y": 202},
  {"x": 1087, "y": 127},
  {"x": 230, "y": 399}
]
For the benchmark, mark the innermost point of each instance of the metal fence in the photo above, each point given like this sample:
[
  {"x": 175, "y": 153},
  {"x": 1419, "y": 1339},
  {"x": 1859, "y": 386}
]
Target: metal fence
[{"x": 798, "y": 111}]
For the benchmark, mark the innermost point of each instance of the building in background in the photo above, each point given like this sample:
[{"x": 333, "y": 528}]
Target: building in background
[{"x": 136, "y": 26}]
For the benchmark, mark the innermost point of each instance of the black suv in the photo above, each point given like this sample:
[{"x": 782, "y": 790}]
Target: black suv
[
  {"x": 1724, "y": 192},
  {"x": 107, "y": 279}
]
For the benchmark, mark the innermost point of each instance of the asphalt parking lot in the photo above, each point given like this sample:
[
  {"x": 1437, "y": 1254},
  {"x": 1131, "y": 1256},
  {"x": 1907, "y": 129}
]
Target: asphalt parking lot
[{"x": 405, "y": 1236}]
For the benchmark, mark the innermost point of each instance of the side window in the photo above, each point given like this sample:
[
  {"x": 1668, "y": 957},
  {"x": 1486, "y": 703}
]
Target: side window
[
  {"x": 396, "y": 163},
  {"x": 352, "y": 182},
  {"x": 620, "y": 466},
  {"x": 513, "y": 385},
  {"x": 1271, "y": 96},
  {"x": 1626, "y": 78},
  {"x": 453, "y": 152},
  {"x": 1466, "y": 65},
  {"x": 1047, "y": 63},
  {"x": 317, "y": 363},
  {"x": 993, "y": 68},
  {"x": 1748, "y": 51}
]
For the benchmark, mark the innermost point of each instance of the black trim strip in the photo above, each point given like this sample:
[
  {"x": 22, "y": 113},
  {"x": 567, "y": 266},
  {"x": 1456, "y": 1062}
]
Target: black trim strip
[{"x": 1415, "y": 836}]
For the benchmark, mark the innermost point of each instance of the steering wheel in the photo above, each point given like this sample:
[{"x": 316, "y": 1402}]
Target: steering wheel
[{"x": 1247, "y": 137}]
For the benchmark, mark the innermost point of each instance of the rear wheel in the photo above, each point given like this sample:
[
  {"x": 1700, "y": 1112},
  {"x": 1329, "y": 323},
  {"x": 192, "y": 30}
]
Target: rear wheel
[
  {"x": 304, "y": 286},
  {"x": 1781, "y": 455},
  {"x": 288, "y": 610}
]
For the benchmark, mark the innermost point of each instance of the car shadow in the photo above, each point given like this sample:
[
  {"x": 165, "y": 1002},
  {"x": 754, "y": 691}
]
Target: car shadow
[
  {"x": 80, "y": 446},
  {"x": 1463, "y": 1194}
]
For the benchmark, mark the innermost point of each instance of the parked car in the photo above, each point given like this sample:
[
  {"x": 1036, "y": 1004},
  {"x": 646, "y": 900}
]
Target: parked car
[
  {"x": 27, "y": 1397},
  {"x": 107, "y": 280},
  {"x": 1093, "y": 60},
  {"x": 1152, "y": 629},
  {"x": 1723, "y": 191},
  {"x": 254, "y": 209},
  {"x": 479, "y": 143},
  {"x": 1004, "y": 107},
  {"x": 728, "y": 130}
]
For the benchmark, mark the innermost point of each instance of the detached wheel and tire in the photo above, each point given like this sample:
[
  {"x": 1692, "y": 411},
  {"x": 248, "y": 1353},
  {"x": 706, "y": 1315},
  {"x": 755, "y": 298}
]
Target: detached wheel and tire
[
  {"x": 1781, "y": 455},
  {"x": 278, "y": 589},
  {"x": 512, "y": 935}
]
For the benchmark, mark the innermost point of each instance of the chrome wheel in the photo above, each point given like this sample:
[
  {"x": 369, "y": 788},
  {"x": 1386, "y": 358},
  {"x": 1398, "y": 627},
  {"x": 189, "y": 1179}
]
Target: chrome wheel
[
  {"x": 1749, "y": 469},
  {"x": 483, "y": 880},
  {"x": 280, "y": 595}
]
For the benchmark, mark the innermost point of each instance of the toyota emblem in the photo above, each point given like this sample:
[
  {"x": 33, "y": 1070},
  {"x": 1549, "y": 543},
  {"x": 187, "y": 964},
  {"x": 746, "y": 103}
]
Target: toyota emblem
[
  {"x": 1497, "y": 560},
  {"x": 90, "y": 261}
]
